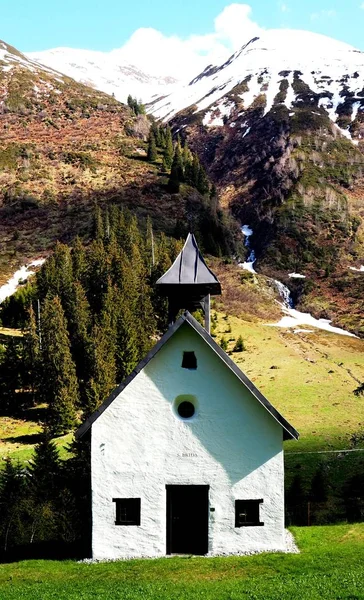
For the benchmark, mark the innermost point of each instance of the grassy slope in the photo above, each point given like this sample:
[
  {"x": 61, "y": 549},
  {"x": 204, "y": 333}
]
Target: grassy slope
[
  {"x": 330, "y": 567},
  {"x": 313, "y": 375}
]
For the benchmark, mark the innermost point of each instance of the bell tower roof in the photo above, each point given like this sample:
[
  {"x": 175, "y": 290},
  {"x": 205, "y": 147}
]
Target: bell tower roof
[{"x": 190, "y": 269}]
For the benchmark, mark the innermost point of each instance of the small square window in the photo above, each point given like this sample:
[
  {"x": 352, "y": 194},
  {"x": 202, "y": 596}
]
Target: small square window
[
  {"x": 189, "y": 360},
  {"x": 247, "y": 513},
  {"x": 127, "y": 511}
]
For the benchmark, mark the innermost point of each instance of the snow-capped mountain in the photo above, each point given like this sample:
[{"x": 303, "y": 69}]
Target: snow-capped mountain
[
  {"x": 105, "y": 72},
  {"x": 10, "y": 58},
  {"x": 277, "y": 67}
]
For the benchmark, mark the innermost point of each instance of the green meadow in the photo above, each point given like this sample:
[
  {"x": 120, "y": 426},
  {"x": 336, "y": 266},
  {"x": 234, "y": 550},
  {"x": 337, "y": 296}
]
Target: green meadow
[{"x": 329, "y": 567}]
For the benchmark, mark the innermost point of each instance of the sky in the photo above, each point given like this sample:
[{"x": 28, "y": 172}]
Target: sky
[{"x": 152, "y": 32}]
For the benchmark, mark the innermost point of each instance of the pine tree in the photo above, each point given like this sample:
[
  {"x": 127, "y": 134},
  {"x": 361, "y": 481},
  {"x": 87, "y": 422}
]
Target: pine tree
[
  {"x": 186, "y": 157},
  {"x": 223, "y": 343},
  {"x": 102, "y": 366},
  {"x": 59, "y": 387},
  {"x": 239, "y": 345},
  {"x": 11, "y": 375},
  {"x": 32, "y": 354},
  {"x": 156, "y": 132},
  {"x": 97, "y": 275},
  {"x": 79, "y": 324},
  {"x": 44, "y": 469},
  {"x": 168, "y": 152},
  {"x": 44, "y": 490},
  {"x": 162, "y": 137},
  {"x": 12, "y": 494},
  {"x": 126, "y": 343},
  {"x": 78, "y": 257},
  {"x": 64, "y": 277},
  {"x": 152, "y": 148},
  {"x": 176, "y": 176},
  {"x": 144, "y": 318},
  {"x": 98, "y": 227}
]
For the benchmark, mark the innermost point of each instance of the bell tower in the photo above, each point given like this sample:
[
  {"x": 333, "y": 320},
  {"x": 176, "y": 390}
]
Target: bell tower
[{"x": 189, "y": 283}]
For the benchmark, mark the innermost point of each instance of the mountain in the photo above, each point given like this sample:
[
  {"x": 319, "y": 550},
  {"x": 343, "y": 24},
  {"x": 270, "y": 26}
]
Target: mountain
[
  {"x": 278, "y": 68},
  {"x": 280, "y": 129},
  {"x": 105, "y": 71},
  {"x": 66, "y": 147}
]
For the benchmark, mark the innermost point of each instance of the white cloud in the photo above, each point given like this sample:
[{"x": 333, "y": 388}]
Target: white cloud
[
  {"x": 324, "y": 14},
  {"x": 362, "y": 6},
  {"x": 159, "y": 54},
  {"x": 284, "y": 8}
]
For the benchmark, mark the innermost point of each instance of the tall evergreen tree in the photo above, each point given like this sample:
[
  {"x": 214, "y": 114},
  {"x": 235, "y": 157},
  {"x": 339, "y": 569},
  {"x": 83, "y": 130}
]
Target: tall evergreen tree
[
  {"x": 12, "y": 494},
  {"x": 156, "y": 132},
  {"x": 79, "y": 325},
  {"x": 11, "y": 376},
  {"x": 126, "y": 343},
  {"x": 59, "y": 388},
  {"x": 168, "y": 151},
  {"x": 162, "y": 137},
  {"x": 176, "y": 176},
  {"x": 97, "y": 275},
  {"x": 102, "y": 367},
  {"x": 99, "y": 230},
  {"x": 32, "y": 362},
  {"x": 43, "y": 490},
  {"x": 152, "y": 148},
  {"x": 78, "y": 257}
]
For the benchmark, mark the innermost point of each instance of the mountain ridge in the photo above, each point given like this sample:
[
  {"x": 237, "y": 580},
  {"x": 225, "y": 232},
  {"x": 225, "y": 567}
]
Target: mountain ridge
[
  {"x": 105, "y": 72},
  {"x": 260, "y": 67}
]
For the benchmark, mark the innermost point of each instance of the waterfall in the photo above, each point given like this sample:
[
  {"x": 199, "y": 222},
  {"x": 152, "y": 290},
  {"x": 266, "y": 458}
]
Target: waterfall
[
  {"x": 293, "y": 318},
  {"x": 284, "y": 293},
  {"x": 248, "y": 265}
]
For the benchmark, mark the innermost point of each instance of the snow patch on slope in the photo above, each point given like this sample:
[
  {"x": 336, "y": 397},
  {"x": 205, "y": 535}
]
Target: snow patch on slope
[
  {"x": 105, "y": 72},
  {"x": 21, "y": 275},
  {"x": 215, "y": 117}
]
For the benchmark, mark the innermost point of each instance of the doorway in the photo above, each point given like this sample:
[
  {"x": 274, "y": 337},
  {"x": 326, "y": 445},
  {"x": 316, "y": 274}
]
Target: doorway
[{"x": 187, "y": 519}]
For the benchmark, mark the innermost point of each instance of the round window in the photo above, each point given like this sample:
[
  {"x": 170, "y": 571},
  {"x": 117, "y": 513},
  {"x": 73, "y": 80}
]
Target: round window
[{"x": 186, "y": 410}]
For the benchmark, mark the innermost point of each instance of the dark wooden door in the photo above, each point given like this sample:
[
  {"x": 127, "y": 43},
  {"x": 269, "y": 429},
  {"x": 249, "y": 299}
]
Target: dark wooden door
[{"x": 187, "y": 519}]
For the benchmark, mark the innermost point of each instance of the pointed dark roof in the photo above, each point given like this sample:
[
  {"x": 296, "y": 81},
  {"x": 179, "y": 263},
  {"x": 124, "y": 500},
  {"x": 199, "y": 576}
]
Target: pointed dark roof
[
  {"x": 289, "y": 432},
  {"x": 190, "y": 268}
]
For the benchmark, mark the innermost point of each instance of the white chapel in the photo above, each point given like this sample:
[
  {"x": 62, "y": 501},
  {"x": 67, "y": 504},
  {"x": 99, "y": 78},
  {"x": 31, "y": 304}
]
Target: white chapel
[{"x": 186, "y": 454}]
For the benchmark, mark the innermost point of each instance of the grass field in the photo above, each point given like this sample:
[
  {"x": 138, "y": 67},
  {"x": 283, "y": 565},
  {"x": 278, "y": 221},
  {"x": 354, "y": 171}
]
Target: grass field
[
  {"x": 309, "y": 378},
  {"x": 330, "y": 567}
]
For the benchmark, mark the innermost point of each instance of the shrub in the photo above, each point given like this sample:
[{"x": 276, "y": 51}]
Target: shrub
[
  {"x": 239, "y": 345},
  {"x": 223, "y": 343}
]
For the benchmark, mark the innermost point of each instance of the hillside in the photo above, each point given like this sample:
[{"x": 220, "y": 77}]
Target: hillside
[
  {"x": 279, "y": 127},
  {"x": 65, "y": 147}
]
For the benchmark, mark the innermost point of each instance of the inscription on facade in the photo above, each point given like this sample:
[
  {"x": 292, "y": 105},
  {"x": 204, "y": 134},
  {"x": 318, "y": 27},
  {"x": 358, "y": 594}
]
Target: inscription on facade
[{"x": 188, "y": 455}]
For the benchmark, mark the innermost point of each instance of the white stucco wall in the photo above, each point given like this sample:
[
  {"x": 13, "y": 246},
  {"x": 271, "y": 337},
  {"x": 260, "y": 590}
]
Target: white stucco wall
[{"x": 232, "y": 444}]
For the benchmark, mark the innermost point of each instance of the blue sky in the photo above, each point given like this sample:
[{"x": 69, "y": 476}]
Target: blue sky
[{"x": 33, "y": 25}]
